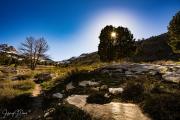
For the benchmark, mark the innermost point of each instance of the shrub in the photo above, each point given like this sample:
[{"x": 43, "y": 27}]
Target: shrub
[
  {"x": 19, "y": 102},
  {"x": 69, "y": 112},
  {"x": 163, "y": 106},
  {"x": 42, "y": 77},
  {"x": 24, "y": 85},
  {"x": 22, "y": 77},
  {"x": 97, "y": 98},
  {"x": 133, "y": 92}
]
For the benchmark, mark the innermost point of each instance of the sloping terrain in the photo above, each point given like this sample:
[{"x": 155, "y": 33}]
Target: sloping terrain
[
  {"x": 120, "y": 91},
  {"x": 154, "y": 48}
]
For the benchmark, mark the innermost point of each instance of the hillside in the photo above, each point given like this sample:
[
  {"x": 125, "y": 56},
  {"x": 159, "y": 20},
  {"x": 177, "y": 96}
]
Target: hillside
[
  {"x": 150, "y": 49},
  {"x": 154, "y": 48},
  {"x": 10, "y": 55},
  {"x": 83, "y": 59}
]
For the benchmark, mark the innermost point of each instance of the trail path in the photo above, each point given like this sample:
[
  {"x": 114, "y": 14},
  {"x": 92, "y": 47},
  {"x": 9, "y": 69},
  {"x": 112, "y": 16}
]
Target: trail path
[
  {"x": 37, "y": 90},
  {"x": 36, "y": 110}
]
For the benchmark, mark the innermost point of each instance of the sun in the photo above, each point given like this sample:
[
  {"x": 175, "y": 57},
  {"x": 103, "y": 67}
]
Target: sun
[{"x": 113, "y": 34}]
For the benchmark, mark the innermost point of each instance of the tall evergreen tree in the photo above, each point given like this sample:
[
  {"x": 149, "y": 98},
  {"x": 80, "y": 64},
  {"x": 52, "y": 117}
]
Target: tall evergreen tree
[
  {"x": 115, "y": 43},
  {"x": 174, "y": 33}
]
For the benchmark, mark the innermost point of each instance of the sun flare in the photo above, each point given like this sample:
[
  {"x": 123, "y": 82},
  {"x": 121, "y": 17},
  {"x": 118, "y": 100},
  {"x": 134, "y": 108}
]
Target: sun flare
[{"x": 113, "y": 34}]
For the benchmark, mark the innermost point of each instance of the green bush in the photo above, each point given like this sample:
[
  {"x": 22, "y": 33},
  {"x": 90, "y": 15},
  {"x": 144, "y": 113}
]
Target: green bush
[
  {"x": 19, "y": 102},
  {"x": 22, "y": 77},
  {"x": 133, "y": 92},
  {"x": 69, "y": 112},
  {"x": 97, "y": 98},
  {"x": 163, "y": 107}
]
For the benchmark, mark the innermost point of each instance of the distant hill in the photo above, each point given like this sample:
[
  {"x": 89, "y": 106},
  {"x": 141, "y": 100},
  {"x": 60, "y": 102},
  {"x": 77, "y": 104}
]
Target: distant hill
[
  {"x": 154, "y": 48},
  {"x": 9, "y": 55},
  {"x": 150, "y": 49},
  {"x": 83, "y": 59}
]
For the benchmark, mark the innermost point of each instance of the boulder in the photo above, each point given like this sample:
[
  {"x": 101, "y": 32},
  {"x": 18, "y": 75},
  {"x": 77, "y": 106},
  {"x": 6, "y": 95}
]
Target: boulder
[
  {"x": 57, "y": 95},
  {"x": 172, "y": 77},
  {"x": 116, "y": 91}
]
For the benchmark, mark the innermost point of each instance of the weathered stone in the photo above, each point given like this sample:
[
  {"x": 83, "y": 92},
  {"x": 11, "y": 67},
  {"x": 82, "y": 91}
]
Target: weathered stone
[
  {"x": 115, "y": 91},
  {"x": 104, "y": 87},
  {"x": 109, "y": 111},
  {"x": 57, "y": 95},
  {"x": 88, "y": 83},
  {"x": 69, "y": 86},
  {"x": 172, "y": 77}
]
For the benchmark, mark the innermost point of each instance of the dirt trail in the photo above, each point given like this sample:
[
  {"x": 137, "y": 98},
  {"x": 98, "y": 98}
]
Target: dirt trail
[
  {"x": 37, "y": 90},
  {"x": 36, "y": 110}
]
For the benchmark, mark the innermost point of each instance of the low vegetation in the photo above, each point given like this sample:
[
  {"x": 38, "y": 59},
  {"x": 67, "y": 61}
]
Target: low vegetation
[
  {"x": 69, "y": 112},
  {"x": 97, "y": 98}
]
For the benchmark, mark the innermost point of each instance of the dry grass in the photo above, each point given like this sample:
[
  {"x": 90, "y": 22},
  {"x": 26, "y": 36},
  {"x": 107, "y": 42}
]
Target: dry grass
[
  {"x": 62, "y": 72},
  {"x": 10, "y": 89}
]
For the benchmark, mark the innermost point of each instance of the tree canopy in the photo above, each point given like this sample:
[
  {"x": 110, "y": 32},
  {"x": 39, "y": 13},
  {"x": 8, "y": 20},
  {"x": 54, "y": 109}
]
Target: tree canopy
[
  {"x": 174, "y": 33},
  {"x": 34, "y": 50},
  {"x": 115, "y": 43}
]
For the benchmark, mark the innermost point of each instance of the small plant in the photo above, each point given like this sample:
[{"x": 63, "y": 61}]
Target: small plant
[
  {"x": 69, "y": 112},
  {"x": 97, "y": 98},
  {"x": 162, "y": 106},
  {"x": 22, "y": 77},
  {"x": 133, "y": 92}
]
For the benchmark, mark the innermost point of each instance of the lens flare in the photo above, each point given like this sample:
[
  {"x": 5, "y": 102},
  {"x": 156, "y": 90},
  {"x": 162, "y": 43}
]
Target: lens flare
[{"x": 113, "y": 34}]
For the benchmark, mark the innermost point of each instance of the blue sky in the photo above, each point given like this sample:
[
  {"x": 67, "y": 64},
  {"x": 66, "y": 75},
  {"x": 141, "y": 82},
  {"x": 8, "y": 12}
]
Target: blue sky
[{"x": 72, "y": 27}]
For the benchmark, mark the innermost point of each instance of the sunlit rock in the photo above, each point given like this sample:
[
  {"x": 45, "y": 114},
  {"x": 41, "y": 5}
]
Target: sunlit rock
[
  {"x": 115, "y": 91},
  {"x": 57, "y": 95},
  {"x": 88, "y": 83},
  {"x": 69, "y": 86}
]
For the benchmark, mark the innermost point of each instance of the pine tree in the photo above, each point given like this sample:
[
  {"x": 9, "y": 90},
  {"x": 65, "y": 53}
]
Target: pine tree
[
  {"x": 174, "y": 33},
  {"x": 115, "y": 43}
]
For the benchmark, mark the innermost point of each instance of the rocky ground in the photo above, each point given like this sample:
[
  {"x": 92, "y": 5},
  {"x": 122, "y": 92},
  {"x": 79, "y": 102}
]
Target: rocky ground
[
  {"x": 113, "y": 81},
  {"x": 109, "y": 111},
  {"x": 114, "y": 92}
]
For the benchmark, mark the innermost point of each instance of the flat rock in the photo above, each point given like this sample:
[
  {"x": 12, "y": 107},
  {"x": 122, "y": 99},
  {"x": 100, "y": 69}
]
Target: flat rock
[
  {"x": 172, "y": 77},
  {"x": 57, "y": 95},
  {"x": 115, "y": 91},
  {"x": 110, "y": 111},
  {"x": 88, "y": 83}
]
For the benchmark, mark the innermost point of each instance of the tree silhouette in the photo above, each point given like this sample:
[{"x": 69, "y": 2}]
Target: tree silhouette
[
  {"x": 34, "y": 50},
  {"x": 174, "y": 33},
  {"x": 115, "y": 43}
]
